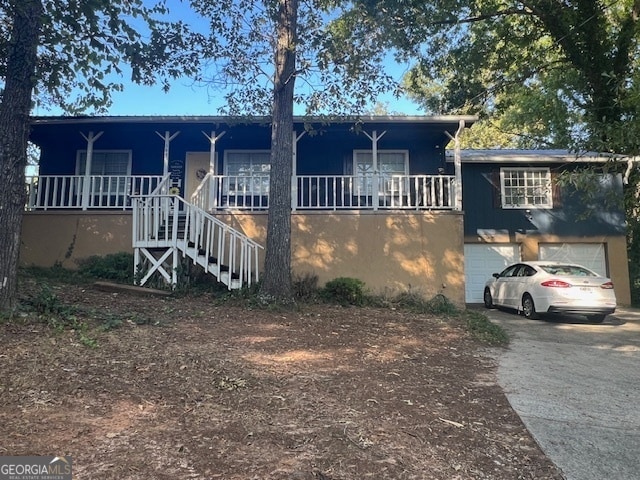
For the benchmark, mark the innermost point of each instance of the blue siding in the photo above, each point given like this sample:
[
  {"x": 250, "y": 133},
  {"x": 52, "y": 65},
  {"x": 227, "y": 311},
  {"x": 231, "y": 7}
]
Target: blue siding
[
  {"x": 327, "y": 150},
  {"x": 574, "y": 216}
]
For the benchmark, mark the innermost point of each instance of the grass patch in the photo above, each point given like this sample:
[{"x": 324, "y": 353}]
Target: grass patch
[
  {"x": 482, "y": 329},
  {"x": 414, "y": 302}
]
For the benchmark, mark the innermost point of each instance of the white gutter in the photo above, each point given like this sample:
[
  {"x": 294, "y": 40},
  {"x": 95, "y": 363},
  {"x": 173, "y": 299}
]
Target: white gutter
[
  {"x": 627, "y": 173},
  {"x": 457, "y": 162}
]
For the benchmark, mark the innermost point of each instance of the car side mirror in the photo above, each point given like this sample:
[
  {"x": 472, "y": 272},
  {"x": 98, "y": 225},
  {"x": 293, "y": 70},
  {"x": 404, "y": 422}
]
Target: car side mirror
[{"x": 495, "y": 275}]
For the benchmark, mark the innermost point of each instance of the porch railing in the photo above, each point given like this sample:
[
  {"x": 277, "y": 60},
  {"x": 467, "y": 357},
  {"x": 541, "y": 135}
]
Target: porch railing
[
  {"x": 250, "y": 193},
  {"x": 232, "y": 191},
  {"x": 80, "y": 192},
  {"x": 331, "y": 192},
  {"x": 375, "y": 192}
]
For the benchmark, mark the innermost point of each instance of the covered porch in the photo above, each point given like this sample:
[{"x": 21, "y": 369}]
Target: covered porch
[{"x": 386, "y": 164}]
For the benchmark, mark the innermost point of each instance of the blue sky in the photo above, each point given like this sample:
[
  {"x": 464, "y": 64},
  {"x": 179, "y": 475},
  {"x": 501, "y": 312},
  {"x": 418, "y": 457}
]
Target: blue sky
[{"x": 185, "y": 98}]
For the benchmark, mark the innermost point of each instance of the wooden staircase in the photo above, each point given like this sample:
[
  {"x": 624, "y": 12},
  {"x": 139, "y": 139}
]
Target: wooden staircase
[{"x": 167, "y": 230}]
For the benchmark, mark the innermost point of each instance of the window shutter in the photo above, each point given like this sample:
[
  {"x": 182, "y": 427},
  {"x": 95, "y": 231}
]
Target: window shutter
[
  {"x": 495, "y": 188},
  {"x": 556, "y": 191}
]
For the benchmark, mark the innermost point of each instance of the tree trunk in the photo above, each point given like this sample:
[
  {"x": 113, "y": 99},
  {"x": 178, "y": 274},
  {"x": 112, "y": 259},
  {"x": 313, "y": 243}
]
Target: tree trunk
[
  {"x": 26, "y": 17},
  {"x": 277, "y": 269}
]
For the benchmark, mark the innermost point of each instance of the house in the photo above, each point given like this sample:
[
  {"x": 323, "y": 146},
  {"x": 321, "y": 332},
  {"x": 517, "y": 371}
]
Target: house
[{"x": 375, "y": 198}]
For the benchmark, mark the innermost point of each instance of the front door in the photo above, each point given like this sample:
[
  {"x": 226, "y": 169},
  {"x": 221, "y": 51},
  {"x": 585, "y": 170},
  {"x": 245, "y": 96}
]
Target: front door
[{"x": 197, "y": 166}]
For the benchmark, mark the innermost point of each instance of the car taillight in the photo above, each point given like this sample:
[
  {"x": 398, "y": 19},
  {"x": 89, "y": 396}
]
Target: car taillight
[
  {"x": 556, "y": 284},
  {"x": 607, "y": 286}
]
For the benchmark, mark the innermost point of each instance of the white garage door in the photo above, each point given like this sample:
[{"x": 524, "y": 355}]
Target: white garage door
[
  {"x": 480, "y": 261},
  {"x": 591, "y": 255}
]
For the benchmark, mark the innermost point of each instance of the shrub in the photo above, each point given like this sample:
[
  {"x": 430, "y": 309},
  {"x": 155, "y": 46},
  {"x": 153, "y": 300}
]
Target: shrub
[
  {"x": 441, "y": 304},
  {"x": 57, "y": 272},
  {"x": 305, "y": 287},
  {"x": 345, "y": 291},
  {"x": 115, "y": 266}
]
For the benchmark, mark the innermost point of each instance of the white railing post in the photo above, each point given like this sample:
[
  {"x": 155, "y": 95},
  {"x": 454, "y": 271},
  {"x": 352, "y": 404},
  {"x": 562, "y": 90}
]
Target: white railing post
[{"x": 375, "y": 186}]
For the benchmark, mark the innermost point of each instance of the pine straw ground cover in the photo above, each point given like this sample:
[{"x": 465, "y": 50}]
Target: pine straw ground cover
[{"x": 153, "y": 387}]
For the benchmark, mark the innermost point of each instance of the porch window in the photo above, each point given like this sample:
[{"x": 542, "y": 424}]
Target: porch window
[
  {"x": 392, "y": 166},
  {"x": 109, "y": 171},
  {"x": 105, "y": 162},
  {"x": 247, "y": 172},
  {"x": 526, "y": 188}
]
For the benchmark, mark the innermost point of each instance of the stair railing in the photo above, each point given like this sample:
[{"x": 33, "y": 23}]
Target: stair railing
[{"x": 219, "y": 248}]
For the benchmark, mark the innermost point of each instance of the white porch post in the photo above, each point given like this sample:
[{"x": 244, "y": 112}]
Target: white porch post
[
  {"x": 457, "y": 163},
  {"x": 374, "y": 137},
  {"x": 213, "y": 194},
  {"x": 86, "y": 187},
  {"x": 167, "y": 137},
  {"x": 294, "y": 170}
]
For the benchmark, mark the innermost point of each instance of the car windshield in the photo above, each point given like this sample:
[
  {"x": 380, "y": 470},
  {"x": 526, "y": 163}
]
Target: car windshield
[{"x": 568, "y": 270}]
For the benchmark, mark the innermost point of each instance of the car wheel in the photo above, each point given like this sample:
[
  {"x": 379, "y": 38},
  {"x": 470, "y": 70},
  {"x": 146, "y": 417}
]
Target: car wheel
[
  {"x": 528, "y": 307},
  {"x": 488, "y": 300},
  {"x": 596, "y": 318}
]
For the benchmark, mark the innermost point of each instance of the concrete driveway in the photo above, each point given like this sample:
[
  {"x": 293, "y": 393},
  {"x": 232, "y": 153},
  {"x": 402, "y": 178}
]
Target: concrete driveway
[{"x": 576, "y": 387}]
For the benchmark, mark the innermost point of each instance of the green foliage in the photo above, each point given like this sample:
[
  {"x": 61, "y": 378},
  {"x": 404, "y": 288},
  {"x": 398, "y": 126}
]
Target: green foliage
[
  {"x": 116, "y": 266},
  {"x": 47, "y": 304},
  {"x": 415, "y": 302},
  {"x": 549, "y": 74},
  {"x": 440, "y": 304},
  {"x": 111, "y": 322},
  {"x": 56, "y": 272},
  {"x": 595, "y": 187},
  {"x": 46, "y": 307},
  {"x": 86, "y": 47},
  {"x": 336, "y": 73},
  {"x": 305, "y": 287},
  {"x": 345, "y": 291},
  {"x": 483, "y": 330},
  {"x": 58, "y": 316}
]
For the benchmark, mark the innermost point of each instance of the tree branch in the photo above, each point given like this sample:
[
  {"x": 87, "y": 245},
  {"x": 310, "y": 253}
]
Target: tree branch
[{"x": 485, "y": 16}]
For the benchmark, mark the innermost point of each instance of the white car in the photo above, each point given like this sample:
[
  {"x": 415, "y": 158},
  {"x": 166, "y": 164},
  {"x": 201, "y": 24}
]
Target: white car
[{"x": 551, "y": 287}]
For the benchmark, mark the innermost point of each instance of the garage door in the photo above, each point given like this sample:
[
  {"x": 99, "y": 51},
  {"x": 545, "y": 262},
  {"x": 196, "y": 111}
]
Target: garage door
[
  {"x": 480, "y": 261},
  {"x": 591, "y": 255}
]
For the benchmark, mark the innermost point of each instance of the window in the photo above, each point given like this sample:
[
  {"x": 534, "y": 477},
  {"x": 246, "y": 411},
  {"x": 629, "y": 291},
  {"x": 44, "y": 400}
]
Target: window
[
  {"x": 105, "y": 162},
  {"x": 526, "y": 188},
  {"x": 509, "y": 271},
  {"x": 392, "y": 165},
  {"x": 247, "y": 172},
  {"x": 109, "y": 169}
]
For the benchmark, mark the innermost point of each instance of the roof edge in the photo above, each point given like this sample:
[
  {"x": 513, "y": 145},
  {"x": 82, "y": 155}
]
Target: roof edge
[
  {"x": 434, "y": 119},
  {"x": 532, "y": 156}
]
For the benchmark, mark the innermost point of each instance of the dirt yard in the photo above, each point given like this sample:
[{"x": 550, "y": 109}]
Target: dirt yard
[{"x": 183, "y": 388}]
